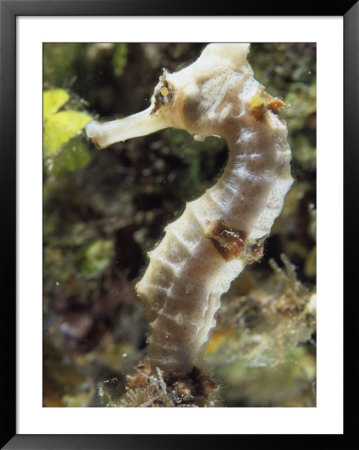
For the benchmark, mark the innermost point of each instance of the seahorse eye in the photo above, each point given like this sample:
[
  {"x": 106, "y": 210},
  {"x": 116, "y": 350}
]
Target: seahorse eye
[
  {"x": 164, "y": 91},
  {"x": 164, "y": 94}
]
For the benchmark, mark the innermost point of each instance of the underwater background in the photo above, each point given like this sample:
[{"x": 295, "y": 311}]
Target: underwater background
[{"x": 103, "y": 210}]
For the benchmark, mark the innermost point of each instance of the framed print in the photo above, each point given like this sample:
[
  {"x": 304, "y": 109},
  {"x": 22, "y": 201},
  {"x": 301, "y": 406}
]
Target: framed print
[{"x": 187, "y": 264}]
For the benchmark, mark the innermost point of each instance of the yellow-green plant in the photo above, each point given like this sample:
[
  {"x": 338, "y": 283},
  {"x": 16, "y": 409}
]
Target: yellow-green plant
[{"x": 64, "y": 150}]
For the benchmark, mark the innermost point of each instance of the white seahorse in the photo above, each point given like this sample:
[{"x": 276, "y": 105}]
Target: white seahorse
[{"x": 224, "y": 229}]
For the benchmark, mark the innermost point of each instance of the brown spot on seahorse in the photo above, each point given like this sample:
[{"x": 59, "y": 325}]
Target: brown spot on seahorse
[
  {"x": 275, "y": 105},
  {"x": 254, "y": 249},
  {"x": 227, "y": 241},
  {"x": 261, "y": 102}
]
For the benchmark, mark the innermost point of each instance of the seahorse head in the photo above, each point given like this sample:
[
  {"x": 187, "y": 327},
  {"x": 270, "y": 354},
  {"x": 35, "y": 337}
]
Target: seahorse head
[{"x": 197, "y": 98}]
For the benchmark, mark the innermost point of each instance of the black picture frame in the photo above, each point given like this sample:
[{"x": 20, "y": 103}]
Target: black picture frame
[{"x": 9, "y": 10}]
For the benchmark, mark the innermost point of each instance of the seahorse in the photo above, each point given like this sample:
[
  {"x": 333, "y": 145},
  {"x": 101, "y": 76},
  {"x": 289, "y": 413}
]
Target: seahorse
[{"x": 223, "y": 230}]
